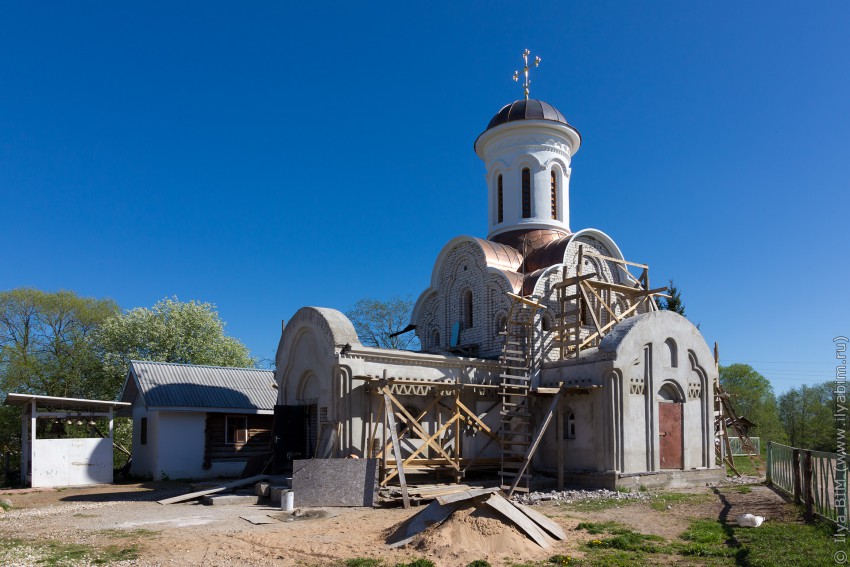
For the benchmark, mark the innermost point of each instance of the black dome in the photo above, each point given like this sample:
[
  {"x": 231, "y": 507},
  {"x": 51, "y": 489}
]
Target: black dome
[{"x": 527, "y": 110}]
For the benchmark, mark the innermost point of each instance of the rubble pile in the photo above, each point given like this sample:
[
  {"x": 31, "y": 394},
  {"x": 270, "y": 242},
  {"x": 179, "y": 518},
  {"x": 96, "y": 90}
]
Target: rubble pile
[{"x": 570, "y": 496}]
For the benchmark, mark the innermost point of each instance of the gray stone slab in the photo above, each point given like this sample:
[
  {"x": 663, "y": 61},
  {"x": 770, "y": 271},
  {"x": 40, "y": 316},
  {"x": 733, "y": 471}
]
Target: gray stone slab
[
  {"x": 230, "y": 499},
  {"x": 335, "y": 482}
]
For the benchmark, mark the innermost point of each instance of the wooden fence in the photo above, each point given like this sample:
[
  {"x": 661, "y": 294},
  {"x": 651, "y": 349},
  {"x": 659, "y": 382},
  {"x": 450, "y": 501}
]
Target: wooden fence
[
  {"x": 738, "y": 447},
  {"x": 815, "y": 479}
]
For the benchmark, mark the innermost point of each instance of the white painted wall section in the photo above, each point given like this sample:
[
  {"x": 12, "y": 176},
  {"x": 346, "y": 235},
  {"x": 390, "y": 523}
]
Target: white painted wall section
[
  {"x": 71, "y": 462},
  {"x": 179, "y": 444}
]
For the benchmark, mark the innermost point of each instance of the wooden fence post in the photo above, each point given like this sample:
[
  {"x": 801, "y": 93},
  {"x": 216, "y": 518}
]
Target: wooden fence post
[
  {"x": 769, "y": 463},
  {"x": 795, "y": 466},
  {"x": 808, "y": 470}
]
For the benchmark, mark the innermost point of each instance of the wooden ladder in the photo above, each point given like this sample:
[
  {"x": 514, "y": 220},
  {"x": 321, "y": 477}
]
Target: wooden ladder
[
  {"x": 725, "y": 415},
  {"x": 515, "y": 433}
]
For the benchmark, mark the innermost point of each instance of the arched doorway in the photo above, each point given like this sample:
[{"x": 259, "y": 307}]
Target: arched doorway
[{"x": 670, "y": 427}]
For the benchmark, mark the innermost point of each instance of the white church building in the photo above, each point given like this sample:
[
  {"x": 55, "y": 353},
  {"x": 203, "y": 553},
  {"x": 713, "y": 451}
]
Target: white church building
[{"x": 544, "y": 357}]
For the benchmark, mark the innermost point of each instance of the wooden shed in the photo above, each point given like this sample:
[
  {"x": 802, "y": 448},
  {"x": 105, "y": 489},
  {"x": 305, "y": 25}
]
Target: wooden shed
[{"x": 192, "y": 421}]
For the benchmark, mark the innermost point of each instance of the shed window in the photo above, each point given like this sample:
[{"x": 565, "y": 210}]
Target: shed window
[
  {"x": 526, "y": 193},
  {"x": 235, "y": 429},
  {"x": 143, "y": 431},
  {"x": 554, "y": 196},
  {"x": 500, "y": 200}
]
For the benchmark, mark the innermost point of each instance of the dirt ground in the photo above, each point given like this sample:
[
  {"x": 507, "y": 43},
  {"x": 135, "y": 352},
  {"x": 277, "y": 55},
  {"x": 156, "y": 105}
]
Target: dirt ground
[{"x": 194, "y": 534}]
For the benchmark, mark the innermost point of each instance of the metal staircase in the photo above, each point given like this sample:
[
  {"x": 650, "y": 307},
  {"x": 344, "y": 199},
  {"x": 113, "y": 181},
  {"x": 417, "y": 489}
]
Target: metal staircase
[{"x": 515, "y": 433}]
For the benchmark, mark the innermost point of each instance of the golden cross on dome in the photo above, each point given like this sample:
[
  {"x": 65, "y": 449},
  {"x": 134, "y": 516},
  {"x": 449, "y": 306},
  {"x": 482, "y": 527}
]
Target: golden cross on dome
[{"x": 527, "y": 82}]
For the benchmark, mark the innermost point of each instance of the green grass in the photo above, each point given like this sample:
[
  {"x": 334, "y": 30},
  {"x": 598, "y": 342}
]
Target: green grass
[
  {"x": 57, "y": 553},
  {"x": 743, "y": 489},
  {"x": 711, "y": 542},
  {"x": 785, "y": 544},
  {"x": 657, "y": 502},
  {"x": 597, "y": 505},
  {"x": 661, "y": 501},
  {"x": 362, "y": 562},
  {"x": 421, "y": 562},
  {"x": 745, "y": 466}
]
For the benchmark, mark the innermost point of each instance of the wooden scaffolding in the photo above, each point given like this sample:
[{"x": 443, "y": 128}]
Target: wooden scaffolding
[
  {"x": 587, "y": 302},
  {"x": 442, "y": 451},
  {"x": 587, "y": 309}
]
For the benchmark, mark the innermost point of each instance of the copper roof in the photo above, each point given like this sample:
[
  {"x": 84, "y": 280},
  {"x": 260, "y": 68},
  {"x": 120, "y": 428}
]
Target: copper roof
[
  {"x": 500, "y": 256},
  {"x": 543, "y": 248},
  {"x": 529, "y": 240}
]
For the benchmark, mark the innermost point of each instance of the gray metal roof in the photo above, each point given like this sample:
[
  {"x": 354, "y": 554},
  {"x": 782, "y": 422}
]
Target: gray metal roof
[{"x": 164, "y": 384}]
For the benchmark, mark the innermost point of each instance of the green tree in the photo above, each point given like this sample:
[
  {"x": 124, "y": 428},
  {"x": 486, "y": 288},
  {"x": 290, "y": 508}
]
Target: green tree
[
  {"x": 170, "y": 331},
  {"x": 48, "y": 346},
  {"x": 752, "y": 397},
  {"x": 376, "y": 321},
  {"x": 807, "y": 416},
  {"x": 674, "y": 302}
]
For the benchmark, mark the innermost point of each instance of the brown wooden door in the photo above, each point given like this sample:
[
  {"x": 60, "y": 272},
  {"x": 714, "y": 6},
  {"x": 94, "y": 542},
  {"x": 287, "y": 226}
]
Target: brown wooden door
[{"x": 670, "y": 435}]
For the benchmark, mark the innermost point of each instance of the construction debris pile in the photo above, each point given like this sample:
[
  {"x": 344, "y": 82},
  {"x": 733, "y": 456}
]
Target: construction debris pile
[{"x": 570, "y": 496}]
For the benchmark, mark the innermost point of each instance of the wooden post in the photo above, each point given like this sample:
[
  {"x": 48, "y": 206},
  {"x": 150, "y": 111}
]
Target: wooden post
[
  {"x": 579, "y": 301},
  {"x": 396, "y": 450},
  {"x": 808, "y": 485},
  {"x": 559, "y": 431},
  {"x": 457, "y": 435},
  {"x": 769, "y": 471},
  {"x": 795, "y": 466},
  {"x": 533, "y": 447}
]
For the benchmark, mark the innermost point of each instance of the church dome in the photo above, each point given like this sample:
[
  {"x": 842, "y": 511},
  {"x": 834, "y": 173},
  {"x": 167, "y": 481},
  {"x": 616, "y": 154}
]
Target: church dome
[{"x": 527, "y": 110}]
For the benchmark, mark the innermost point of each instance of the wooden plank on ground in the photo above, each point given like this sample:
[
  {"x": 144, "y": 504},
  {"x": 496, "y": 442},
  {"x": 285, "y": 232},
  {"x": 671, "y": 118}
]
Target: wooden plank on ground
[
  {"x": 547, "y": 524},
  {"x": 465, "y": 495},
  {"x": 222, "y": 488},
  {"x": 522, "y": 521},
  {"x": 433, "y": 514},
  {"x": 259, "y": 519}
]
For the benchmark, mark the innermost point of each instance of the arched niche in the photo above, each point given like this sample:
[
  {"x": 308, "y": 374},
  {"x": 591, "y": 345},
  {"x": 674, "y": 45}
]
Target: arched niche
[{"x": 670, "y": 354}]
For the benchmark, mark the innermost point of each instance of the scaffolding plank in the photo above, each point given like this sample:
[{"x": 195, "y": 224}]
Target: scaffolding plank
[{"x": 521, "y": 520}]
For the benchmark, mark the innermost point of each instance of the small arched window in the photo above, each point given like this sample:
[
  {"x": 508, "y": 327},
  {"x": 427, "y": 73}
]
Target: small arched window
[
  {"x": 546, "y": 322},
  {"x": 569, "y": 425},
  {"x": 501, "y": 324},
  {"x": 466, "y": 309},
  {"x": 435, "y": 338},
  {"x": 500, "y": 200},
  {"x": 554, "y": 196},
  {"x": 526, "y": 193}
]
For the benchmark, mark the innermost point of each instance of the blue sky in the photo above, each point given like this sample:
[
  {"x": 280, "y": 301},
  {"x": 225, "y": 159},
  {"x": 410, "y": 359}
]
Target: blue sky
[{"x": 268, "y": 155}]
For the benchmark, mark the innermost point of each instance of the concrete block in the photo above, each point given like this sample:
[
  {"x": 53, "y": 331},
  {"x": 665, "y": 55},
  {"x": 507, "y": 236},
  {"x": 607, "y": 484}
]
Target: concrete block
[
  {"x": 230, "y": 499},
  {"x": 275, "y": 493},
  {"x": 335, "y": 482},
  {"x": 262, "y": 489}
]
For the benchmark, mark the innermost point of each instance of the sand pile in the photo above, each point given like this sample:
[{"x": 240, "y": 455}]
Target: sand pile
[{"x": 479, "y": 530}]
